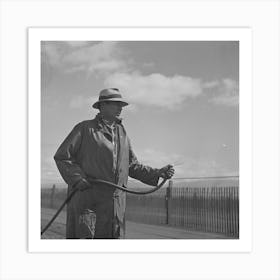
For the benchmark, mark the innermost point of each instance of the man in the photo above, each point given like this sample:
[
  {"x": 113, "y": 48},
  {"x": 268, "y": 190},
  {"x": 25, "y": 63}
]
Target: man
[{"x": 100, "y": 148}]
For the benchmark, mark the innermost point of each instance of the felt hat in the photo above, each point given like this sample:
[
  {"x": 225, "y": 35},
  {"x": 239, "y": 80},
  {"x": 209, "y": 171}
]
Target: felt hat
[{"x": 109, "y": 94}]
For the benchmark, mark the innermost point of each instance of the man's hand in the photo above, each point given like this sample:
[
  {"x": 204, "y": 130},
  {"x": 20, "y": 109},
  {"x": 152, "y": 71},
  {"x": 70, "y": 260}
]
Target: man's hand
[
  {"x": 167, "y": 171},
  {"x": 82, "y": 185}
]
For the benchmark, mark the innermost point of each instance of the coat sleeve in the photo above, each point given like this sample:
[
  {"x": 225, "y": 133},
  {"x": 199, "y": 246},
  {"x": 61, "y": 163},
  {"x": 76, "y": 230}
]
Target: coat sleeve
[
  {"x": 66, "y": 157},
  {"x": 143, "y": 173}
]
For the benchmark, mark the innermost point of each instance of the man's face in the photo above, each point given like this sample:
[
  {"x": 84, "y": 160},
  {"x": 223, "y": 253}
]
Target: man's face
[{"x": 111, "y": 109}]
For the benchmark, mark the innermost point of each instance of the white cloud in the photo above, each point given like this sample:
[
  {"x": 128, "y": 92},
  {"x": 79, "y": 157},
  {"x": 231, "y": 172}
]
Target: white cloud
[
  {"x": 226, "y": 93},
  {"x": 108, "y": 61},
  {"x": 211, "y": 84},
  {"x": 155, "y": 89},
  {"x": 96, "y": 52},
  {"x": 171, "y": 92},
  {"x": 76, "y": 56},
  {"x": 231, "y": 101},
  {"x": 165, "y": 92},
  {"x": 75, "y": 69},
  {"x": 107, "y": 65},
  {"x": 79, "y": 101},
  {"x": 102, "y": 58}
]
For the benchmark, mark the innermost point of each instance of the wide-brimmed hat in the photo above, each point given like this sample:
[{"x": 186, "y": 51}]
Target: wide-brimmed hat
[{"x": 109, "y": 94}]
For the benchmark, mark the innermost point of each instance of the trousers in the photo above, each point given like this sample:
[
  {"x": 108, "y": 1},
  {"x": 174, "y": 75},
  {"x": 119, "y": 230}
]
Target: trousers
[{"x": 91, "y": 215}]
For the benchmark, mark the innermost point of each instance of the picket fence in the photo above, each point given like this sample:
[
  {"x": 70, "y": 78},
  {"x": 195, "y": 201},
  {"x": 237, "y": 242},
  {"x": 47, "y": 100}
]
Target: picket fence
[{"x": 207, "y": 209}]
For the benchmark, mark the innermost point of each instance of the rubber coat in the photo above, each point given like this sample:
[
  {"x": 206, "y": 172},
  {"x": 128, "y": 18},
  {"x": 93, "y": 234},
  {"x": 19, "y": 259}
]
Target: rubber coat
[{"x": 88, "y": 152}]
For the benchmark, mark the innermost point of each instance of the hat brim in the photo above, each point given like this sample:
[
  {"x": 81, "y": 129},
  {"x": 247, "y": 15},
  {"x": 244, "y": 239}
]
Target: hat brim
[{"x": 96, "y": 104}]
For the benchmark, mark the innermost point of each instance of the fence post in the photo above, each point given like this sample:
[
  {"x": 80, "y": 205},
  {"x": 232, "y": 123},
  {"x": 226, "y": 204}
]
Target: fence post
[
  {"x": 168, "y": 201},
  {"x": 52, "y": 196}
]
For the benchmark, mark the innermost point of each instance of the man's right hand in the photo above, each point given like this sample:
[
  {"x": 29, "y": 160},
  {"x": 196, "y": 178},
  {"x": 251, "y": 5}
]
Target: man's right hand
[
  {"x": 167, "y": 171},
  {"x": 83, "y": 185}
]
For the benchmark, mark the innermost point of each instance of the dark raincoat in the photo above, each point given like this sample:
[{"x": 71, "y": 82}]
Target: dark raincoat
[{"x": 93, "y": 150}]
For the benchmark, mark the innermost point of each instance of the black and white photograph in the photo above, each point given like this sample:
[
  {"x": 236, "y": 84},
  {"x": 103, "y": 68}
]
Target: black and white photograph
[{"x": 140, "y": 139}]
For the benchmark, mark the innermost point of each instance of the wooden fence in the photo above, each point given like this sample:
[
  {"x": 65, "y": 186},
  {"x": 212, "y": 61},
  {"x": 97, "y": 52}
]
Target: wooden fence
[{"x": 207, "y": 209}]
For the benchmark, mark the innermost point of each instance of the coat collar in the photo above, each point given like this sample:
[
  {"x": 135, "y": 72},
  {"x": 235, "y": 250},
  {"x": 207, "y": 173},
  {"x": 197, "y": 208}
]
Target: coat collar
[
  {"x": 101, "y": 125},
  {"x": 100, "y": 119}
]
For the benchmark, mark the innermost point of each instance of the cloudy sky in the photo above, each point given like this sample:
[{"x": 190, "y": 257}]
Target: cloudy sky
[{"x": 184, "y": 100}]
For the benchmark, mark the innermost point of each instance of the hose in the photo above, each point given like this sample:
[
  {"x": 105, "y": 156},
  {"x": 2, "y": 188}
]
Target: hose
[
  {"x": 71, "y": 194},
  {"x": 128, "y": 190}
]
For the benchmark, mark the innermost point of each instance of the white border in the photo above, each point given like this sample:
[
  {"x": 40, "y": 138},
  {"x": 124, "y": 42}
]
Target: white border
[{"x": 243, "y": 35}]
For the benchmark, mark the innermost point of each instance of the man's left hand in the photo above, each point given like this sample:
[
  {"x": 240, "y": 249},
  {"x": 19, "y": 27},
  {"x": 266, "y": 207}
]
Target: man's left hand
[{"x": 167, "y": 171}]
